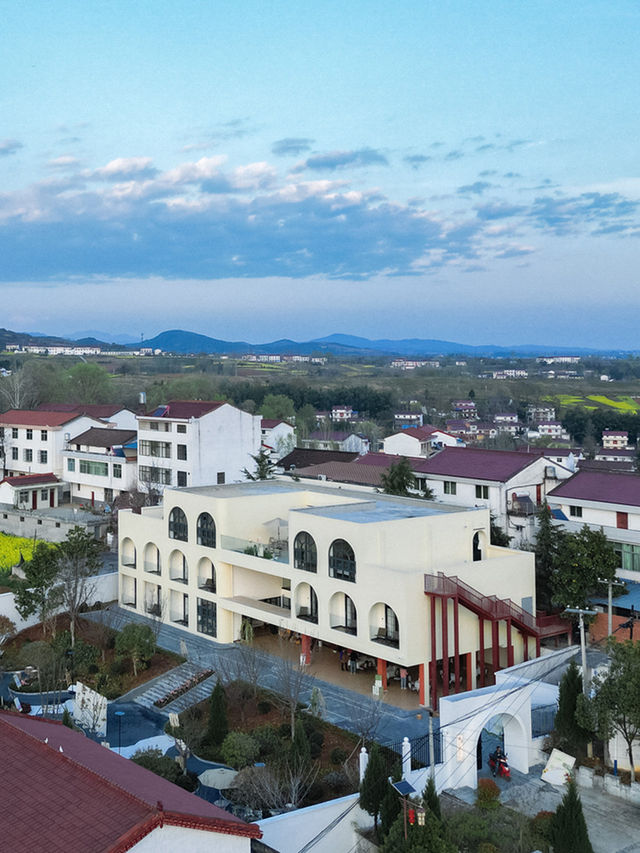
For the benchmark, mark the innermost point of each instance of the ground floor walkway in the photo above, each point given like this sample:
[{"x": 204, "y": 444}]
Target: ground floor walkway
[{"x": 347, "y": 698}]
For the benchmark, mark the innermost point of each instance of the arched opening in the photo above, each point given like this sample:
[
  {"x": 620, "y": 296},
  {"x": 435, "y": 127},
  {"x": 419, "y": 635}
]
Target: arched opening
[
  {"x": 384, "y": 626},
  {"x": 342, "y": 561},
  {"x": 305, "y": 554},
  {"x": 206, "y": 575},
  {"x": 306, "y": 602},
  {"x": 506, "y": 731},
  {"x": 342, "y": 614},
  {"x": 478, "y": 545},
  {"x": 152, "y": 561},
  {"x": 206, "y": 530},
  {"x": 178, "y": 568},
  {"x": 178, "y": 527},
  {"x": 128, "y": 553}
]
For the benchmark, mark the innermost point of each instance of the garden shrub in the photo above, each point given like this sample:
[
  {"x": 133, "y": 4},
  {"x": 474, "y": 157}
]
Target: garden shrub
[
  {"x": 239, "y": 750},
  {"x": 268, "y": 740},
  {"x": 467, "y": 830},
  {"x": 338, "y": 755},
  {"x": 488, "y": 794},
  {"x": 264, "y": 707},
  {"x": 117, "y": 666},
  {"x": 161, "y": 765}
]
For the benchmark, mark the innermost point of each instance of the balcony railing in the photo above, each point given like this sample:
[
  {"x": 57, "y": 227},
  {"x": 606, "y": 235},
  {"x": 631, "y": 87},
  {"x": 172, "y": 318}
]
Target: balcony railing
[
  {"x": 152, "y": 568},
  {"x": 267, "y": 551},
  {"x": 153, "y": 609},
  {"x": 347, "y": 629},
  {"x": 129, "y": 562}
]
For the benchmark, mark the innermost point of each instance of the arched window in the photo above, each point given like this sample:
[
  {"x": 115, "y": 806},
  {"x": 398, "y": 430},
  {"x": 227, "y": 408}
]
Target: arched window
[
  {"x": 305, "y": 555},
  {"x": 206, "y": 530},
  {"x": 178, "y": 527},
  {"x": 342, "y": 614},
  {"x": 342, "y": 561},
  {"x": 477, "y": 547}
]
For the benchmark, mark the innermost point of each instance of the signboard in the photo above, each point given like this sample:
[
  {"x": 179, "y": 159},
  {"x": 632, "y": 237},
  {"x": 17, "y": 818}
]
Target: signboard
[{"x": 558, "y": 766}]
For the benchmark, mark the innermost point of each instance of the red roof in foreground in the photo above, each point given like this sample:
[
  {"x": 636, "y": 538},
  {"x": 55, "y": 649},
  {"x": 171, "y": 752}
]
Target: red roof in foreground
[
  {"x": 87, "y": 798},
  {"x": 600, "y": 486},
  {"x": 472, "y": 463},
  {"x": 31, "y": 479},
  {"x": 39, "y": 418}
]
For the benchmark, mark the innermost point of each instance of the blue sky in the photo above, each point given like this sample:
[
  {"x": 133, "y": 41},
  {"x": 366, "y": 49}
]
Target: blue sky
[{"x": 256, "y": 170}]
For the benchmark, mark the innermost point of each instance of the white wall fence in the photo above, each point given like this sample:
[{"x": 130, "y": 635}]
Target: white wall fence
[{"x": 103, "y": 588}]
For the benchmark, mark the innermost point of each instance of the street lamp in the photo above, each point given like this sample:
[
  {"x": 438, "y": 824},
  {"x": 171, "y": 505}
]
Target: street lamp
[
  {"x": 119, "y": 715},
  {"x": 610, "y": 584}
]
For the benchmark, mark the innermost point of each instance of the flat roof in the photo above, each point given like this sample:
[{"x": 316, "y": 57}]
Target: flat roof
[{"x": 375, "y": 510}]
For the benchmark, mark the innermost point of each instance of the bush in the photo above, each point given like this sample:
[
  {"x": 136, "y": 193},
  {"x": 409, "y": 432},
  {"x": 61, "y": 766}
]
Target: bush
[
  {"x": 264, "y": 707},
  {"x": 488, "y": 794},
  {"x": 156, "y": 762},
  {"x": 117, "y": 666},
  {"x": 268, "y": 740},
  {"x": 239, "y": 750},
  {"x": 541, "y": 827},
  {"x": 338, "y": 755},
  {"x": 467, "y": 830},
  {"x": 336, "y": 781}
]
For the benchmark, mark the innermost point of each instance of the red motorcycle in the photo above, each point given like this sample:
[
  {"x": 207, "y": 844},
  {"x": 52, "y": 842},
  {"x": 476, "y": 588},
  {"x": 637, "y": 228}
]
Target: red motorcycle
[{"x": 499, "y": 766}]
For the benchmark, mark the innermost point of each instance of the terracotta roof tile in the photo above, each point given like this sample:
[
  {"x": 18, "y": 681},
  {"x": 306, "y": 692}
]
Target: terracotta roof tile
[
  {"x": 39, "y": 418},
  {"x": 31, "y": 479},
  {"x": 600, "y": 486}
]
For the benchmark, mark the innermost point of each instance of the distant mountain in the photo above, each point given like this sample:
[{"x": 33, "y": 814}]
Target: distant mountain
[{"x": 95, "y": 335}]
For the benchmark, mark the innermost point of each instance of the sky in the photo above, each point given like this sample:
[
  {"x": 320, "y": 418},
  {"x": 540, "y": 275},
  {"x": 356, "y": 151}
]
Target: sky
[{"x": 256, "y": 170}]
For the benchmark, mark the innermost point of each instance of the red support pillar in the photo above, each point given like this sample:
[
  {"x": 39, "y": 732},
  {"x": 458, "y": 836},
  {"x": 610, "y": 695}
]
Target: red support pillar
[
  {"x": 537, "y": 647},
  {"x": 525, "y": 641},
  {"x": 481, "y": 629},
  {"x": 509, "y": 646},
  {"x": 445, "y": 646},
  {"x": 382, "y": 670},
  {"x": 433, "y": 676},
  {"x": 456, "y": 645},
  {"x": 495, "y": 643},
  {"x": 305, "y": 648},
  {"x": 423, "y": 688},
  {"x": 470, "y": 672}
]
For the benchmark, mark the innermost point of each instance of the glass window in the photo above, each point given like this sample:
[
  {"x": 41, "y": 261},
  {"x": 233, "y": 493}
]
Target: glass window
[
  {"x": 450, "y": 487},
  {"x": 482, "y": 492},
  {"x": 14, "y": 452},
  {"x": 305, "y": 555},
  {"x": 178, "y": 527},
  {"x": 342, "y": 561},
  {"x": 23, "y": 497},
  {"x": 575, "y": 511},
  {"x": 29, "y": 434},
  {"x": 96, "y": 469},
  {"x": 182, "y": 478},
  {"x": 43, "y": 456},
  {"x": 71, "y": 464},
  {"x": 28, "y": 455},
  {"x": 221, "y": 478},
  {"x": 117, "y": 470},
  {"x": 14, "y": 432},
  {"x": 181, "y": 427},
  {"x": 161, "y": 449},
  {"x": 207, "y": 617},
  {"x": 43, "y": 435},
  {"x": 182, "y": 451},
  {"x": 206, "y": 531},
  {"x": 150, "y": 474}
]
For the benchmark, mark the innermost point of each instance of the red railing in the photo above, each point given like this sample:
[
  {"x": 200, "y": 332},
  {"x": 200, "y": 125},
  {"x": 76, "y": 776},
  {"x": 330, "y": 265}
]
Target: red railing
[{"x": 489, "y": 606}]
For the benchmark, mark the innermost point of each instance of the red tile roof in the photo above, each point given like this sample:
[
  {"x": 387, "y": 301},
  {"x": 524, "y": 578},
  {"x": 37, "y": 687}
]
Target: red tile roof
[
  {"x": 105, "y": 437},
  {"x": 600, "y": 486},
  {"x": 345, "y": 472},
  {"x": 186, "y": 409},
  {"x": 422, "y": 433},
  {"x": 303, "y": 457},
  {"x": 38, "y": 418},
  {"x": 270, "y": 423},
  {"x": 86, "y": 797},
  {"x": 97, "y": 410},
  {"x": 31, "y": 480}
]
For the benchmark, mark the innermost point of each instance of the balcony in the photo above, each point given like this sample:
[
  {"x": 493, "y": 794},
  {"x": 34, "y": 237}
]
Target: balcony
[
  {"x": 522, "y": 506},
  {"x": 179, "y": 578},
  {"x": 265, "y": 610},
  {"x": 151, "y": 568},
  {"x": 346, "y": 629},
  {"x": 275, "y": 549},
  {"x": 305, "y": 614}
]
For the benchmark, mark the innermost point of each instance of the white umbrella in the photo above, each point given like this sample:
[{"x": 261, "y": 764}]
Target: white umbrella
[{"x": 219, "y": 777}]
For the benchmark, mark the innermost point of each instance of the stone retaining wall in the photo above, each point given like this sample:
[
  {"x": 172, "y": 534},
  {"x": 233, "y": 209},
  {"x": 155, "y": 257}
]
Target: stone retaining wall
[{"x": 586, "y": 777}]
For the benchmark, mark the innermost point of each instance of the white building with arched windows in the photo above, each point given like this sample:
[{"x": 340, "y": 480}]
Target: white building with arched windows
[{"x": 400, "y": 581}]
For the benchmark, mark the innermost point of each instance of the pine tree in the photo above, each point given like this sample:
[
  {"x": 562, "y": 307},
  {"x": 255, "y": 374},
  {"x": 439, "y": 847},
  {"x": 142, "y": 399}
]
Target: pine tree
[
  {"x": 390, "y": 808},
  {"x": 300, "y": 749},
  {"x": 568, "y": 826},
  {"x": 218, "y": 727},
  {"x": 430, "y": 799},
  {"x": 264, "y": 467},
  {"x": 566, "y": 725},
  {"x": 374, "y": 785},
  {"x": 547, "y": 543}
]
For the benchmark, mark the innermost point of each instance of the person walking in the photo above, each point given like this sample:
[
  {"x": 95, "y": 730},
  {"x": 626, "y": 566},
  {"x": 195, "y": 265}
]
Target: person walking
[
  {"x": 342, "y": 659},
  {"x": 403, "y": 678}
]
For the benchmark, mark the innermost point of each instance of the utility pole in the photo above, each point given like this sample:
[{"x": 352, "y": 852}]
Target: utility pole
[
  {"x": 610, "y": 584},
  {"x": 583, "y": 646}
]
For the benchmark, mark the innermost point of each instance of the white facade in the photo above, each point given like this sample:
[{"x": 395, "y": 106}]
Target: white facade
[
  {"x": 193, "y": 451},
  {"x": 168, "y": 839},
  {"x": 24, "y": 493},
  {"x": 279, "y": 438},
  {"x": 36, "y": 448},
  {"x": 412, "y": 443},
  {"x": 98, "y": 472},
  {"x": 343, "y": 567}
]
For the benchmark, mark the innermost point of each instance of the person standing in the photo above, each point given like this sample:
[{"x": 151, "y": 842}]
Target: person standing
[
  {"x": 403, "y": 678},
  {"x": 353, "y": 663},
  {"x": 342, "y": 658}
]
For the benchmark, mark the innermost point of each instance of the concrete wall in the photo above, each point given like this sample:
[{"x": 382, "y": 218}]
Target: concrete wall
[
  {"x": 288, "y": 833},
  {"x": 52, "y": 528},
  {"x": 104, "y": 588},
  {"x": 168, "y": 839}
]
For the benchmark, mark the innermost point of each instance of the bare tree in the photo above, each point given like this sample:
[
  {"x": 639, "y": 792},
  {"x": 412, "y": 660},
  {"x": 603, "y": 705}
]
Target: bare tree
[
  {"x": 291, "y": 679},
  {"x": 367, "y": 720},
  {"x": 274, "y": 787},
  {"x": 187, "y": 735},
  {"x": 17, "y": 391},
  {"x": 79, "y": 559}
]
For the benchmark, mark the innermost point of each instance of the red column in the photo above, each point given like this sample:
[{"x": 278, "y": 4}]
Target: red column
[
  {"x": 423, "y": 691},
  {"x": 537, "y": 647},
  {"x": 481, "y": 628},
  {"x": 509, "y": 646},
  {"x": 382, "y": 670},
  {"x": 470, "y": 658},
  {"x": 445, "y": 646},
  {"x": 432, "y": 677},
  {"x": 495, "y": 643},
  {"x": 456, "y": 645},
  {"x": 305, "y": 648},
  {"x": 525, "y": 640}
]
